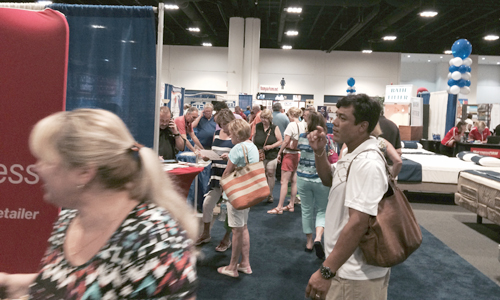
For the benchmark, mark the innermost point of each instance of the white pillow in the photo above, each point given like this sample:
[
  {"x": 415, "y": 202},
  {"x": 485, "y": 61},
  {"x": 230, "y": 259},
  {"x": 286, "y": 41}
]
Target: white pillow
[{"x": 489, "y": 162}]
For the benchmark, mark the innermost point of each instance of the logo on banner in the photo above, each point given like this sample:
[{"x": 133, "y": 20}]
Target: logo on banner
[
  {"x": 268, "y": 88},
  {"x": 486, "y": 151}
]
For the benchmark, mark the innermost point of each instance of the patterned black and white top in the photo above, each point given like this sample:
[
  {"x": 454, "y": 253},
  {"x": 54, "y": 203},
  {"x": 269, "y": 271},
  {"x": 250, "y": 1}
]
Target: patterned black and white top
[
  {"x": 148, "y": 257},
  {"x": 220, "y": 147}
]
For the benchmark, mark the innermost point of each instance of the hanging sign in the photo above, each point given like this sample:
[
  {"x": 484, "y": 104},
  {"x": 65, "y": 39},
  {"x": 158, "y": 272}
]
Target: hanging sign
[
  {"x": 400, "y": 94},
  {"x": 268, "y": 89}
]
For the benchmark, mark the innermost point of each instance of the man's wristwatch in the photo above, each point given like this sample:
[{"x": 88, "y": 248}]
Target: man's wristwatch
[{"x": 326, "y": 273}]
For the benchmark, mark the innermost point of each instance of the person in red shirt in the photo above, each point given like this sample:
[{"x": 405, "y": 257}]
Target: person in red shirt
[
  {"x": 479, "y": 133},
  {"x": 454, "y": 135},
  {"x": 238, "y": 111},
  {"x": 184, "y": 125}
]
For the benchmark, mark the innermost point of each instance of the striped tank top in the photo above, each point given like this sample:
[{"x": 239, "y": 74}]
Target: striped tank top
[{"x": 220, "y": 147}]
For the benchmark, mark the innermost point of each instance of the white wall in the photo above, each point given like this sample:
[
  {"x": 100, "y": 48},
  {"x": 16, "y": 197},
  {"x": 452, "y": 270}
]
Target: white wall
[
  {"x": 305, "y": 71},
  {"x": 488, "y": 85},
  {"x": 419, "y": 74}
]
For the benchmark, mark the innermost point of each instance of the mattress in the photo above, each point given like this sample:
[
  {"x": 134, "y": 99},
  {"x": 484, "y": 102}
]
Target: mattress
[
  {"x": 480, "y": 195},
  {"x": 443, "y": 169}
]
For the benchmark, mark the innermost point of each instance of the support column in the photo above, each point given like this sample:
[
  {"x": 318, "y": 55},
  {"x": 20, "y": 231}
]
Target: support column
[
  {"x": 472, "y": 96},
  {"x": 235, "y": 56},
  {"x": 251, "y": 56}
]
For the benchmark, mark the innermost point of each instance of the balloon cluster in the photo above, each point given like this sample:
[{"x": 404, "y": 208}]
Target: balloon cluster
[
  {"x": 459, "y": 76},
  {"x": 351, "y": 89}
]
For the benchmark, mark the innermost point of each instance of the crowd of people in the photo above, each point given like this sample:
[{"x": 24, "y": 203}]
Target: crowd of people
[{"x": 123, "y": 219}]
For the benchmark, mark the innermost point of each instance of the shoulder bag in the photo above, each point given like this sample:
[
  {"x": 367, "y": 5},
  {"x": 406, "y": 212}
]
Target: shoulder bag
[
  {"x": 262, "y": 152},
  {"x": 393, "y": 234},
  {"x": 247, "y": 185},
  {"x": 294, "y": 143}
]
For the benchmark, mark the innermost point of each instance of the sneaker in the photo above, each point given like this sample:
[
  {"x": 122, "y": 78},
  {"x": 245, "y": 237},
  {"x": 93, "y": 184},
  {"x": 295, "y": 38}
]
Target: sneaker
[{"x": 270, "y": 199}]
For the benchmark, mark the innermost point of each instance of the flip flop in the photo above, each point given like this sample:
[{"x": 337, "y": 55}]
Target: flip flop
[
  {"x": 224, "y": 271},
  {"x": 308, "y": 250},
  {"x": 289, "y": 208},
  {"x": 223, "y": 247},
  {"x": 246, "y": 270},
  {"x": 275, "y": 211},
  {"x": 320, "y": 253},
  {"x": 204, "y": 241}
]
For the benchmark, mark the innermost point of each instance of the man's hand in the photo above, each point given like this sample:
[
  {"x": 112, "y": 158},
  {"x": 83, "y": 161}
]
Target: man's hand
[
  {"x": 173, "y": 127},
  {"x": 224, "y": 156},
  {"x": 317, "y": 138},
  {"x": 318, "y": 287}
]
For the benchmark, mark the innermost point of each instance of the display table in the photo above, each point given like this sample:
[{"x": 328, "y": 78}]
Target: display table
[
  {"x": 492, "y": 150},
  {"x": 431, "y": 145},
  {"x": 183, "y": 177}
]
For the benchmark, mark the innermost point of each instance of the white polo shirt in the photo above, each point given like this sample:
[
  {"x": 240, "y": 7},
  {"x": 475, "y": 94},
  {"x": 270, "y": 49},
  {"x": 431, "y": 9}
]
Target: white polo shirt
[{"x": 367, "y": 183}]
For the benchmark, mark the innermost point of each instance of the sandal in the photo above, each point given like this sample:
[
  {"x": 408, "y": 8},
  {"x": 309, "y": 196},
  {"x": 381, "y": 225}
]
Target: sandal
[
  {"x": 225, "y": 271},
  {"x": 202, "y": 241},
  {"x": 245, "y": 270},
  {"x": 223, "y": 247},
  {"x": 289, "y": 208},
  {"x": 275, "y": 211}
]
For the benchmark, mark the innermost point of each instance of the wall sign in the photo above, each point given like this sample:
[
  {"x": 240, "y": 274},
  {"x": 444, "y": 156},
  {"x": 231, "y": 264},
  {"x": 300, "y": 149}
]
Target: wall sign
[
  {"x": 268, "y": 89},
  {"x": 400, "y": 94}
]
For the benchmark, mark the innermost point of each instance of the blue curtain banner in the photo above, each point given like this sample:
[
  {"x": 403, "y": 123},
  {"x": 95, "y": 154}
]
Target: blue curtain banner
[
  {"x": 451, "y": 112},
  {"x": 112, "y": 63}
]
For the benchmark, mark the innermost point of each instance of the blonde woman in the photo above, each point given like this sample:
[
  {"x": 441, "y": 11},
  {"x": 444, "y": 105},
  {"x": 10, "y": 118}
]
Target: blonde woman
[
  {"x": 289, "y": 161},
  {"x": 268, "y": 137},
  {"x": 240, "y": 132},
  {"x": 123, "y": 225}
]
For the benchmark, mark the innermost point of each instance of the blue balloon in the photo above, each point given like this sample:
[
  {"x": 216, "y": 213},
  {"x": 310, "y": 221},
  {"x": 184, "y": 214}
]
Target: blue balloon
[
  {"x": 353, "y": 91},
  {"x": 467, "y": 82},
  {"x": 461, "y": 83},
  {"x": 348, "y": 90},
  {"x": 462, "y": 69},
  {"x": 468, "y": 68},
  {"x": 453, "y": 69},
  {"x": 461, "y": 48},
  {"x": 452, "y": 82},
  {"x": 351, "y": 81}
]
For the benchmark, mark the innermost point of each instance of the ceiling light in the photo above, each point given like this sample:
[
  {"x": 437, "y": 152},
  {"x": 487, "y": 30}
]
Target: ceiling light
[
  {"x": 292, "y": 32},
  {"x": 294, "y": 10},
  {"x": 483, "y": 58},
  {"x": 207, "y": 44},
  {"x": 97, "y": 26},
  {"x": 171, "y": 6},
  {"x": 286, "y": 47},
  {"x": 440, "y": 57},
  {"x": 367, "y": 51},
  {"x": 428, "y": 60},
  {"x": 428, "y": 14},
  {"x": 389, "y": 38},
  {"x": 498, "y": 62},
  {"x": 448, "y": 52},
  {"x": 491, "y": 37},
  {"x": 194, "y": 29},
  {"x": 409, "y": 56}
]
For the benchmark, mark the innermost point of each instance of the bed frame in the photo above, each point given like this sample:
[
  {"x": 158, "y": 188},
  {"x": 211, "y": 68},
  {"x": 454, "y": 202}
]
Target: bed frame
[{"x": 428, "y": 187}]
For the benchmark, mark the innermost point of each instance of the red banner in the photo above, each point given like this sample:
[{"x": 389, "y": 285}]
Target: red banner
[
  {"x": 486, "y": 151},
  {"x": 33, "y": 60}
]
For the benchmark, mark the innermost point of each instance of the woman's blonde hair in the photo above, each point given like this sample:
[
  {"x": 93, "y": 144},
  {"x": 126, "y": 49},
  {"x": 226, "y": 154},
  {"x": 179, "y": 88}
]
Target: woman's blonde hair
[
  {"x": 481, "y": 125},
  {"x": 267, "y": 114},
  {"x": 100, "y": 138},
  {"x": 224, "y": 116},
  {"x": 240, "y": 129},
  {"x": 294, "y": 112}
]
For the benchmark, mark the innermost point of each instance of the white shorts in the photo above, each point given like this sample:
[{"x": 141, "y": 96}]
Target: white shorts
[{"x": 235, "y": 217}]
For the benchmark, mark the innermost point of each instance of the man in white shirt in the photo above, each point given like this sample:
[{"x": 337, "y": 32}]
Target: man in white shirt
[{"x": 345, "y": 273}]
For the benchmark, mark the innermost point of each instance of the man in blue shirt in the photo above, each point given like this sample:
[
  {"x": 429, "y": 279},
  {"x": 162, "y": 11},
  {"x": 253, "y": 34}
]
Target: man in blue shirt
[
  {"x": 279, "y": 118},
  {"x": 247, "y": 112},
  {"x": 205, "y": 126}
]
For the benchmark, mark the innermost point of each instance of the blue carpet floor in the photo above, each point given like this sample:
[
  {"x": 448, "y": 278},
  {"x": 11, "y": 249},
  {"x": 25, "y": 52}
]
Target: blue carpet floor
[{"x": 281, "y": 267}]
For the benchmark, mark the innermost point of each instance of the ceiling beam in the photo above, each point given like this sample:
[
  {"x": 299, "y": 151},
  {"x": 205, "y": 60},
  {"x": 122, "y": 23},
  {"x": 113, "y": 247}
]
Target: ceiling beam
[
  {"x": 205, "y": 18},
  {"x": 223, "y": 15}
]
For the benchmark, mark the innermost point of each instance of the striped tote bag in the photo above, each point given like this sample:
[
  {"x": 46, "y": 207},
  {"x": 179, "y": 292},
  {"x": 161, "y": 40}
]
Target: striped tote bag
[{"x": 247, "y": 185}]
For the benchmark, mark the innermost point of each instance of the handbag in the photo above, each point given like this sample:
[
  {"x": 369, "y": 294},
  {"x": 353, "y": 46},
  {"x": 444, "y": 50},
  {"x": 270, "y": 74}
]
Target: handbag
[
  {"x": 393, "y": 234},
  {"x": 247, "y": 185},
  {"x": 294, "y": 143},
  {"x": 262, "y": 153}
]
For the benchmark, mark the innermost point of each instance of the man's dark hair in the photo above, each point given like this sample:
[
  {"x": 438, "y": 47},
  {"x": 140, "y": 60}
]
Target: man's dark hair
[
  {"x": 277, "y": 107},
  {"x": 460, "y": 124},
  {"x": 218, "y": 105},
  {"x": 469, "y": 116},
  {"x": 364, "y": 109},
  {"x": 315, "y": 119}
]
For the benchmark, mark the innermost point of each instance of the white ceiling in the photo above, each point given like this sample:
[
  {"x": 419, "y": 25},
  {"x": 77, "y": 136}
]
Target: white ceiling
[{"x": 436, "y": 58}]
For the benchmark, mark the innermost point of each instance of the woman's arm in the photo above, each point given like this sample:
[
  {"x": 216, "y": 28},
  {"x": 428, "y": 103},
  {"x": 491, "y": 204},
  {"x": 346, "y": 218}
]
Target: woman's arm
[
  {"x": 397, "y": 162},
  {"x": 197, "y": 121},
  {"x": 16, "y": 285},
  {"x": 283, "y": 146},
  {"x": 229, "y": 168}
]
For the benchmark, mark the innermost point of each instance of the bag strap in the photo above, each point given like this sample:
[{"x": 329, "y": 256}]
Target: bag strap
[
  {"x": 298, "y": 130},
  {"x": 268, "y": 132},
  {"x": 245, "y": 153},
  {"x": 383, "y": 158}
]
